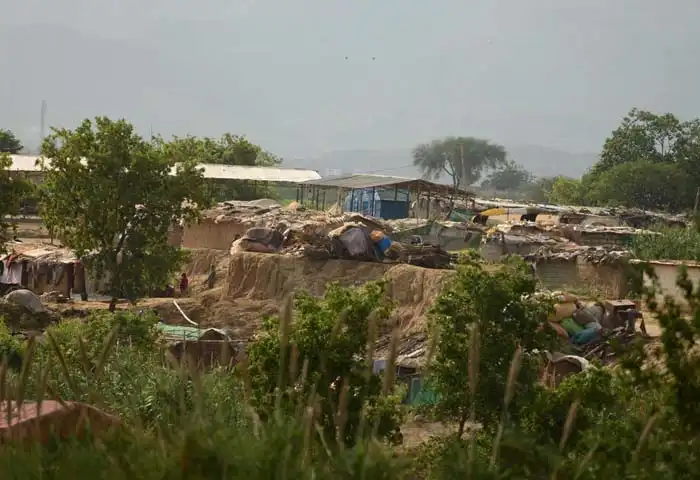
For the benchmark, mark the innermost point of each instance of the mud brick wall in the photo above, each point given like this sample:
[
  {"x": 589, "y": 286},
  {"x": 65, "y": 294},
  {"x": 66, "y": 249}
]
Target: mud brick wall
[
  {"x": 609, "y": 280},
  {"x": 207, "y": 234}
]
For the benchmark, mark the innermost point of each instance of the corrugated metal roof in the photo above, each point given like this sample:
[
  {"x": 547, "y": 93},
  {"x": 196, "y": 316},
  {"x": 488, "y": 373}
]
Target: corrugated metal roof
[
  {"x": 27, "y": 163},
  {"x": 361, "y": 180},
  {"x": 366, "y": 180},
  {"x": 262, "y": 174}
]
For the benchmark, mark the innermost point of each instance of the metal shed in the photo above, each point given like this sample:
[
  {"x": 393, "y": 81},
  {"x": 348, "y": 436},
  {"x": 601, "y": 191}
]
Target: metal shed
[{"x": 381, "y": 196}]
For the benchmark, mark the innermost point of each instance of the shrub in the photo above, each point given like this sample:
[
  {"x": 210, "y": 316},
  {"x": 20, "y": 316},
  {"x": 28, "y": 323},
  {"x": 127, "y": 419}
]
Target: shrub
[
  {"x": 500, "y": 307},
  {"x": 322, "y": 357},
  {"x": 667, "y": 244}
]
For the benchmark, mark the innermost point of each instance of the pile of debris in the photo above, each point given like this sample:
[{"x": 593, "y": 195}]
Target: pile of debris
[
  {"x": 525, "y": 232},
  {"x": 319, "y": 235},
  {"x": 595, "y": 255},
  {"x": 270, "y": 214}
]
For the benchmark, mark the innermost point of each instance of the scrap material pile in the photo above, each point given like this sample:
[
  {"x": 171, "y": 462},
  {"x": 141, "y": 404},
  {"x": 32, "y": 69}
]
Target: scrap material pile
[
  {"x": 540, "y": 243},
  {"x": 525, "y": 232},
  {"x": 589, "y": 330},
  {"x": 293, "y": 230},
  {"x": 572, "y": 251}
]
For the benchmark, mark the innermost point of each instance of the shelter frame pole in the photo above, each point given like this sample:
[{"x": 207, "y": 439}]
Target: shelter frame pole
[{"x": 427, "y": 208}]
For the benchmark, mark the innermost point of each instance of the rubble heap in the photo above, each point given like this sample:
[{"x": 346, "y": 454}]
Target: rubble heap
[{"x": 309, "y": 233}]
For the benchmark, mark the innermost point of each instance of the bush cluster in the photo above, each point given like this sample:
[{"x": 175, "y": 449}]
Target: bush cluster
[{"x": 306, "y": 403}]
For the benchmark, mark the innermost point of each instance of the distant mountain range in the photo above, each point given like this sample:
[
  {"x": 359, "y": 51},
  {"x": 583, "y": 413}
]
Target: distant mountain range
[{"x": 540, "y": 161}]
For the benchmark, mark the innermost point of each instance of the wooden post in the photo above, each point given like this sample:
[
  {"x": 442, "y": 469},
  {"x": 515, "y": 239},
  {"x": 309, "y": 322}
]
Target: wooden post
[{"x": 697, "y": 200}]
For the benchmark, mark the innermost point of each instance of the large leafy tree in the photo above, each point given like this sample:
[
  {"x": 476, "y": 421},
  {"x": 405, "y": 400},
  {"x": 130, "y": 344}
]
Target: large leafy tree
[
  {"x": 646, "y": 146},
  {"x": 510, "y": 177},
  {"x": 229, "y": 149},
  {"x": 9, "y": 143},
  {"x": 644, "y": 185},
  {"x": 646, "y": 137},
  {"x": 462, "y": 159},
  {"x": 567, "y": 191},
  {"x": 112, "y": 196},
  {"x": 539, "y": 190},
  {"x": 12, "y": 190}
]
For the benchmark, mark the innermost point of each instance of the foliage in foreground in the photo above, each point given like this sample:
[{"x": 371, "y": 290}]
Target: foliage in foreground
[
  {"x": 325, "y": 355},
  {"x": 498, "y": 312},
  {"x": 630, "y": 422}
]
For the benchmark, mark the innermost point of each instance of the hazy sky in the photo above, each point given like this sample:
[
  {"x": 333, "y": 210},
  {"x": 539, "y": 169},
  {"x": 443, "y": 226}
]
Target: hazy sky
[{"x": 559, "y": 73}]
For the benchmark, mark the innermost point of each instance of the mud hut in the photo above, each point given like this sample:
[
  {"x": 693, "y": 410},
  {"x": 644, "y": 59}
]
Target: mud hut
[
  {"x": 44, "y": 269},
  {"x": 604, "y": 270}
]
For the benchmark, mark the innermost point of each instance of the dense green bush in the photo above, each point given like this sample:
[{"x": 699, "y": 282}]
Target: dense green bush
[
  {"x": 324, "y": 356},
  {"x": 637, "y": 421},
  {"x": 498, "y": 311},
  {"x": 665, "y": 243}
]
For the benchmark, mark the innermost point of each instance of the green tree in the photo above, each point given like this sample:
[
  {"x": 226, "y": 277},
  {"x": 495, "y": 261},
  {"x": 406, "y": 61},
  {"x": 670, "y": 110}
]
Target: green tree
[
  {"x": 668, "y": 153},
  {"x": 462, "y": 159},
  {"x": 643, "y": 184},
  {"x": 540, "y": 189},
  {"x": 510, "y": 177},
  {"x": 500, "y": 306},
  {"x": 12, "y": 190},
  {"x": 567, "y": 191},
  {"x": 9, "y": 143},
  {"x": 323, "y": 353},
  {"x": 113, "y": 196},
  {"x": 646, "y": 137}
]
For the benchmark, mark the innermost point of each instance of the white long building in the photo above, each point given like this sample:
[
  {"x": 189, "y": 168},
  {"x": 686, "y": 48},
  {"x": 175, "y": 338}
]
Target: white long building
[{"x": 29, "y": 165}]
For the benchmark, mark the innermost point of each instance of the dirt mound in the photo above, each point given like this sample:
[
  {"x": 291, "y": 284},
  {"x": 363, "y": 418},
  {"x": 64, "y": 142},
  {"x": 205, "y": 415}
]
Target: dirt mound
[{"x": 265, "y": 279}]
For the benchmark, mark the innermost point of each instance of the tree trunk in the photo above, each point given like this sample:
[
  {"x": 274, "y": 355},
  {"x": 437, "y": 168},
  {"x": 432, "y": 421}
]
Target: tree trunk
[
  {"x": 462, "y": 422},
  {"x": 113, "y": 304}
]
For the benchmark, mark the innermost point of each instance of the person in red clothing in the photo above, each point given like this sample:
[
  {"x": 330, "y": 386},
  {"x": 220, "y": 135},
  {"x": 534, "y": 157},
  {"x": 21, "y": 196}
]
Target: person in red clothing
[{"x": 184, "y": 283}]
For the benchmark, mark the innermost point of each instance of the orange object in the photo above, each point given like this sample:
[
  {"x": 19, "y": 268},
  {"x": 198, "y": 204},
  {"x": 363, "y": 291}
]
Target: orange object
[
  {"x": 561, "y": 332},
  {"x": 376, "y": 235}
]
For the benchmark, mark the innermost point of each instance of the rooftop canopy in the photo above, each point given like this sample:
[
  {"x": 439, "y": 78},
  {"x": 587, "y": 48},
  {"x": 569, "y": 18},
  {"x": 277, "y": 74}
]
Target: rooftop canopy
[
  {"x": 28, "y": 163},
  {"x": 366, "y": 180}
]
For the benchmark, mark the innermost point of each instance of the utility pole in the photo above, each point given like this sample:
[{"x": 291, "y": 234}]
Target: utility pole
[
  {"x": 42, "y": 128},
  {"x": 461, "y": 162}
]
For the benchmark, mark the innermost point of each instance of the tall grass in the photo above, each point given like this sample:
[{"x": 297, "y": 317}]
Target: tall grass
[
  {"x": 178, "y": 422},
  {"x": 668, "y": 244}
]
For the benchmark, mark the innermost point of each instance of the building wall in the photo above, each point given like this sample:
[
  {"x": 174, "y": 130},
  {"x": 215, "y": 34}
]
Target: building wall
[
  {"x": 175, "y": 236},
  {"x": 60, "y": 278},
  {"x": 207, "y": 234},
  {"x": 666, "y": 274},
  {"x": 610, "y": 280}
]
